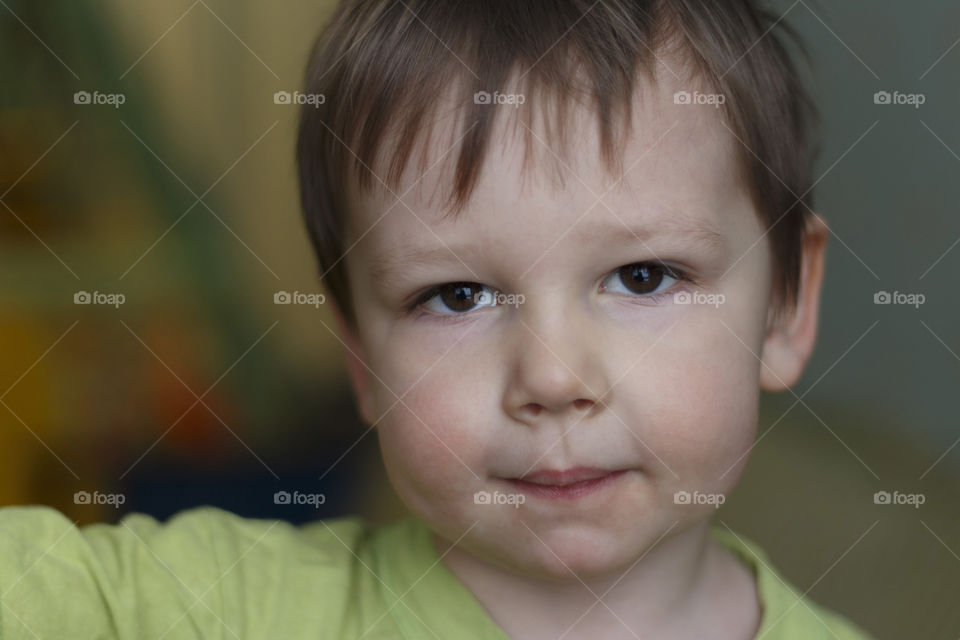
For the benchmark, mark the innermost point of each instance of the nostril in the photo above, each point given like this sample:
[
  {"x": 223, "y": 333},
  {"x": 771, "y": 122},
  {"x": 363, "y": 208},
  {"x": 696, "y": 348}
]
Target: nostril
[
  {"x": 582, "y": 404},
  {"x": 534, "y": 408}
]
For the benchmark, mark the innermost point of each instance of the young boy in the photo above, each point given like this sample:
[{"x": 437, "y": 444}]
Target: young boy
[{"x": 561, "y": 352}]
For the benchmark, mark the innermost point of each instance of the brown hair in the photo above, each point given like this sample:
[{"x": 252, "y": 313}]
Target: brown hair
[{"x": 381, "y": 64}]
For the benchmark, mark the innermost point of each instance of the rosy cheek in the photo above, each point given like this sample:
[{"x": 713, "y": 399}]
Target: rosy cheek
[
  {"x": 722, "y": 418},
  {"x": 433, "y": 437},
  {"x": 699, "y": 411}
]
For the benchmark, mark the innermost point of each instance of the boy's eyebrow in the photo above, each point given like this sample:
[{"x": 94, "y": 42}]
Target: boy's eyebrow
[{"x": 689, "y": 232}]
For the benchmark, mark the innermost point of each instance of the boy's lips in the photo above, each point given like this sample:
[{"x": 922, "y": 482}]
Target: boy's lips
[
  {"x": 562, "y": 477},
  {"x": 553, "y": 484}
]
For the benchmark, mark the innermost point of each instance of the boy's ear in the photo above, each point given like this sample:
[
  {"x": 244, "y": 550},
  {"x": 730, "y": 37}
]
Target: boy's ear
[
  {"x": 357, "y": 370},
  {"x": 788, "y": 344}
]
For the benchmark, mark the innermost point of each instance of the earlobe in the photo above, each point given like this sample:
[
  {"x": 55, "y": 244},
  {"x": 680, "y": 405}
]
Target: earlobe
[
  {"x": 788, "y": 345},
  {"x": 356, "y": 367}
]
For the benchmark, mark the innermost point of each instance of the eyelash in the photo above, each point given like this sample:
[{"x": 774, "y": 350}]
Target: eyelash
[{"x": 415, "y": 307}]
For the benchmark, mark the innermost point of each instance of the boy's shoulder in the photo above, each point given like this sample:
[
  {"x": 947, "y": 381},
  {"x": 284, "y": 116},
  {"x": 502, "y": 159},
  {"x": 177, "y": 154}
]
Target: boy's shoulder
[
  {"x": 201, "y": 570},
  {"x": 193, "y": 537},
  {"x": 786, "y": 613}
]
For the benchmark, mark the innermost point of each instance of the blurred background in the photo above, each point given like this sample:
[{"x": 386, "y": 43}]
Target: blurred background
[{"x": 145, "y": 164}]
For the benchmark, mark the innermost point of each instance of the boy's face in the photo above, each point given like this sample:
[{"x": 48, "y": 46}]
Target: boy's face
[{"x": 597, "y": 367}]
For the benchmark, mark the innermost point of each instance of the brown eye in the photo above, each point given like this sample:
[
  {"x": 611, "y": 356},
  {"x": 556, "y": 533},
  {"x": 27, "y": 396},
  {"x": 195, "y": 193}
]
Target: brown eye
[
  {"x": 459, "y": 296},
  {"x": 642, "y": 277}
]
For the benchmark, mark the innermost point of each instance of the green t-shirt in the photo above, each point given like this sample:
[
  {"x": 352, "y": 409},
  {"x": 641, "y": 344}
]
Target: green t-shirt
[{"x": 207, "y": 573}]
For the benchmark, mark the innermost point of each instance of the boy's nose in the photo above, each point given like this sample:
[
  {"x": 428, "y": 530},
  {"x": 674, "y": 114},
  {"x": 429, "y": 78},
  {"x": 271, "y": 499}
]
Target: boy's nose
[{"x": 555, "y": 369}]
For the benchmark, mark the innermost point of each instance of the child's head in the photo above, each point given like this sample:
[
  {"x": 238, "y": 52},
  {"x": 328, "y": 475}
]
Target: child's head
[{"x": 616, "y": 197}]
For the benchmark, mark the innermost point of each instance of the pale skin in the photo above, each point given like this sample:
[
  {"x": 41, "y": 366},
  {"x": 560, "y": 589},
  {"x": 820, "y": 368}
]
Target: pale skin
[{"x": 584, "y": 372}]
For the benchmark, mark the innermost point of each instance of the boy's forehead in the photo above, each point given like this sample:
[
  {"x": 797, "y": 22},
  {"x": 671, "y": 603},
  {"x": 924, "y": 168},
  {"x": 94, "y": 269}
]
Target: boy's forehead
[{"x": 678, "y": 172}]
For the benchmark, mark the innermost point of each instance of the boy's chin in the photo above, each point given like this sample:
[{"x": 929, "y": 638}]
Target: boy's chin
[{"x": 571, "y": 553}]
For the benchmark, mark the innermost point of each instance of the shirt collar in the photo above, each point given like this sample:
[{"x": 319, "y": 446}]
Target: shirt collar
[{"x": 426, "y": 599}]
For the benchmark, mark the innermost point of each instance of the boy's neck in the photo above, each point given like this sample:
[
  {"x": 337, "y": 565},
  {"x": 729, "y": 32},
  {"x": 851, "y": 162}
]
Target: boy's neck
[{"x": 687, "y": 585}]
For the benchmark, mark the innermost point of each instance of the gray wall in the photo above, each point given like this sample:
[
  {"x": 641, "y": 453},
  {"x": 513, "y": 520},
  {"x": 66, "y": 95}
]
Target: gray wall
[{"x": 891, "y": 201}]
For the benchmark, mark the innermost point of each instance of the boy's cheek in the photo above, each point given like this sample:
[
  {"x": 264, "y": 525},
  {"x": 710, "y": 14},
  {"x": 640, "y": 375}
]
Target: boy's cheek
[
  {"x": 410, "y": 358},
  {"x": 701, "y": 416},
  {"x": 436, "y": 438},
  {"x": 435, "y": 471}
]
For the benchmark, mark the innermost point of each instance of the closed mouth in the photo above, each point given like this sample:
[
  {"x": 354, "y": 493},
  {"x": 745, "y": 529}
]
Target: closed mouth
[{"x": 567, "y": 484}]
